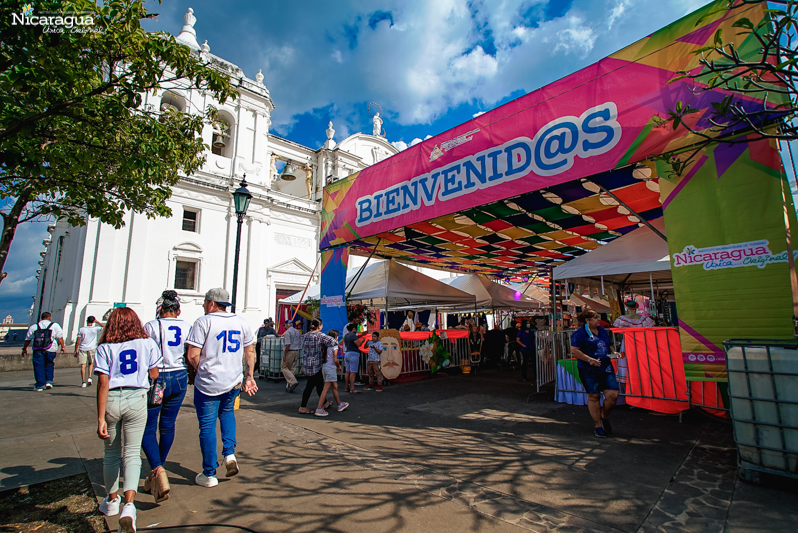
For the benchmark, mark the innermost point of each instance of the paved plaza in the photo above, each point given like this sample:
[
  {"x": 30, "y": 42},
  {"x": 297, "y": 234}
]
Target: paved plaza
[{"x": 447, "y": 454}]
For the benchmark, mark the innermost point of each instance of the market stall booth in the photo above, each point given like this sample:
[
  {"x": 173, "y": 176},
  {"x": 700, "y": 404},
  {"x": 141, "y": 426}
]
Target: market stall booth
[{"x": 568, "y": 168}]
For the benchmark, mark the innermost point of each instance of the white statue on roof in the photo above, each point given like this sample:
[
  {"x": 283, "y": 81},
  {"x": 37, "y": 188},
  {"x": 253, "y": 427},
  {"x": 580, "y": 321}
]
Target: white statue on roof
[
  {"x": 188, "y": 35},
  {"x": 377, "y": 125}
]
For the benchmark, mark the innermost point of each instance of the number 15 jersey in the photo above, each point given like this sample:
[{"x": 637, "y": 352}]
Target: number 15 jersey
[
  {"x": 222, "y": 338},
  {"x": 127, "y": 364}
]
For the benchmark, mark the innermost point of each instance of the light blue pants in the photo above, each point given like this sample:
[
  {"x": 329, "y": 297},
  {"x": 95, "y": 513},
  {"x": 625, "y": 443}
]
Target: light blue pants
[{"x": 126, "y": 416}]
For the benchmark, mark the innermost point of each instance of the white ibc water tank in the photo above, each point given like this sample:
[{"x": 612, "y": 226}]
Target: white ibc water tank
[{"x": 765, "y": 423}]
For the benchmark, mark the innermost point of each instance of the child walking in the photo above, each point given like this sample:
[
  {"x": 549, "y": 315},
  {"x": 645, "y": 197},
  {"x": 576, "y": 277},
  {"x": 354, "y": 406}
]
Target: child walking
[{"x": 330, "y": 371}]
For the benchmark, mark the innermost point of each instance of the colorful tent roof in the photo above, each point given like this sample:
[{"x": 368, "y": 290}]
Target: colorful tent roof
[{"x": 525, "y": 235}]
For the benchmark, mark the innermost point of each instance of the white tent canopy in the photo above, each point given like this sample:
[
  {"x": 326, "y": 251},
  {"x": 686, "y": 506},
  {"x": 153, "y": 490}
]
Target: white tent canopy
[
  {"x": 533, "y": 291},
  {"x": 390, "y": 284},
  {"x": 627, "y": 258},
  {"x": 491, "y": 295},
  {"x": 599, "y": 306}
]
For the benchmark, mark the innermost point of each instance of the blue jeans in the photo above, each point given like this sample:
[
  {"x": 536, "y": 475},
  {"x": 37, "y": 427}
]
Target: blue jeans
[
  {"x": 176, "y": 383},
  {"x": 43, "y": 367},
  {"x": 209, "y": 408}
]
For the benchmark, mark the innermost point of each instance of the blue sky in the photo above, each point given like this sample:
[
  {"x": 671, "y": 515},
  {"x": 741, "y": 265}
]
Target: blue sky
[{"x": 430, "y": 65}]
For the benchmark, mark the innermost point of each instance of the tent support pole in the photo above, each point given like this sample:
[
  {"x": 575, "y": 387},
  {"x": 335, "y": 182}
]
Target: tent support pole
[
  {"x": 360, "y": 272},
  {"x": 632, "y": 211}
]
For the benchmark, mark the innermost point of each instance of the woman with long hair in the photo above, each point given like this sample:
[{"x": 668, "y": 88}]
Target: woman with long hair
[
  {"x": 314, "y": 348},
  {"x": 591, "y": 345},
  {"x": 126, "y": 361},
  {"x": 170, "y": 333}
]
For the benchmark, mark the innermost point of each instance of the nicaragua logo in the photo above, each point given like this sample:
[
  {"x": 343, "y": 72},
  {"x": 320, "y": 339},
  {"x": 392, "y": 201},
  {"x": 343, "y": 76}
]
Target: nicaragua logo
[
  {"x": 552, "y": 151},
  {"x": 55, "y": 21},
  {"x": 332, "y": 301},
  {"x": 752, "y": 253}
]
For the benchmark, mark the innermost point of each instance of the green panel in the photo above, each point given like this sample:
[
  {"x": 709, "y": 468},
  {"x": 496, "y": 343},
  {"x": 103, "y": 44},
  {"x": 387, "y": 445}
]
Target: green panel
[
  {"x": 478, "y": 216},
  {"x": 500, "y": 210}
]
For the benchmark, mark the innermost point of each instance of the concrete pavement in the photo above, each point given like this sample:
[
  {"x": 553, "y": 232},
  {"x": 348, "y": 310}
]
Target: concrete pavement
[{"x": 446, "y": 454}]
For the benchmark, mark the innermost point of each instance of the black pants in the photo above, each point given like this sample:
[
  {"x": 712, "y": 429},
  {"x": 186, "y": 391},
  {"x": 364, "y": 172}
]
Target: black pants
[
  {"x": 526, "y": 357},
  {"x": 316, "y": 380}
]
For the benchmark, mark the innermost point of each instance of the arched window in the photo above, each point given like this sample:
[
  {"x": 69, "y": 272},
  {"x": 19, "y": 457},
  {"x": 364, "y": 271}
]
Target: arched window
[
  {"x": 223, "y": 132},
  {"x": 171, "y": 101}
]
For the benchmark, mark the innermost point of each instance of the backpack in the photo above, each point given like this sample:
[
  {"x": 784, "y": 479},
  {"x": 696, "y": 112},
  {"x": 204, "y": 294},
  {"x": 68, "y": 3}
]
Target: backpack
[{"x": 42, "y": 338}]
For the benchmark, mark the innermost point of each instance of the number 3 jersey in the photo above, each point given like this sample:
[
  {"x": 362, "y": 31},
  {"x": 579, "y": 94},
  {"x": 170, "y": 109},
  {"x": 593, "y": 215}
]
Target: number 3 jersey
[
  {"x": 222, "y": 338},
  {"x": 171, "y": 337},
  {"x": 127, "y": 364}
]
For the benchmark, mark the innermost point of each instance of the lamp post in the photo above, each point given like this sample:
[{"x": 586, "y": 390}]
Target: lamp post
[{"x": 241, "y": 199}]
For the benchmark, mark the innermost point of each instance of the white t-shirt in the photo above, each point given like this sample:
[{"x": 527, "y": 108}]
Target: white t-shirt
[
  {"x": 171, "y": 337},
  {"x": 57, "y": 332},
  {"x": 222, "y": 337},
  {"x": 331, "y": 350},
  {"x": 127, "y": 364},
  {"x": 89, "y": 335}
]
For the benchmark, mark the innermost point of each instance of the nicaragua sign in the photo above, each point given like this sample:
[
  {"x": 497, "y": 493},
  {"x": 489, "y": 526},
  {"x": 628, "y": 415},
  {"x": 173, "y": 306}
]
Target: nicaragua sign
[
  {"x": 552, "y": 151},
  {"x": 752, "y": 253}
]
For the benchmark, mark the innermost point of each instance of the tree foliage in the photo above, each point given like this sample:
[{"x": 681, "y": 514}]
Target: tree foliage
[
  {"x": 759, "y": 77},
  {"x": 76, "y": 138}
]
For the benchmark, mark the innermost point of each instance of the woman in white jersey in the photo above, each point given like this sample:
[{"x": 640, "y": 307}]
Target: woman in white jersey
[
  {"x": 170, "y": 334},
  {"x": 126, "y": 359}
]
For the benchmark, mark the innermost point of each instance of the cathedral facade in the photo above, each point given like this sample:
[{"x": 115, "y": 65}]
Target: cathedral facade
[{"x": 89, "y": 269}]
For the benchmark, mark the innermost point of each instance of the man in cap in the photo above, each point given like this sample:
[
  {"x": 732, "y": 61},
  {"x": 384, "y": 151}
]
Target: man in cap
[
  {"x": 292, "y": 339},
  {"x": 217, "y": 344}
]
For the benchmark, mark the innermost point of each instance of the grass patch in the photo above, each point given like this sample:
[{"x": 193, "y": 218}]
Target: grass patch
[{"x": 66, "y": 505}]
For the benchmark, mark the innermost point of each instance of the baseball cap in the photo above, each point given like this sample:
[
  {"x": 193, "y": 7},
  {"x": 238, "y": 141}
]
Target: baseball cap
[
  {"x": 218, "y": 295},
  {"x": 288, "y": 322}
]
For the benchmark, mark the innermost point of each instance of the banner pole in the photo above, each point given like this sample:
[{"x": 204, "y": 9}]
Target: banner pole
[{"x": 310, "y": 278}]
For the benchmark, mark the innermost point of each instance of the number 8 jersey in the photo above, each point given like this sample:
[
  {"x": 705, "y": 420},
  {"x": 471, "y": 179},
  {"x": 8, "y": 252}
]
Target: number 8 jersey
[
  {"x": 222, "y": 338},
  {"x": 127, "y": 364}
]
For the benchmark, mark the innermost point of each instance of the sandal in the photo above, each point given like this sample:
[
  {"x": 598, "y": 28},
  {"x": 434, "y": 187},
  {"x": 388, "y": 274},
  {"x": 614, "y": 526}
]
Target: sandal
[
  {"x": 305, "y": 411},
  {"x": 327, "y": 405}
]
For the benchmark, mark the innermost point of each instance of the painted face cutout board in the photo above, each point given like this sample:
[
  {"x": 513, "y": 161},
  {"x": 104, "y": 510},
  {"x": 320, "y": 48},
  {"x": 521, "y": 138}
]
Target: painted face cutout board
[{"x": 391, "y": 357}]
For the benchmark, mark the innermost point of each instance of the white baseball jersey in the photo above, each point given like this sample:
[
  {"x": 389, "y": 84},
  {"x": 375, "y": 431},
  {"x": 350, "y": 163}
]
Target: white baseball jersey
[
  {"x": 222, "y": 337},
  {"x": 127, "y": 364},
  {"x": 89, "y": 335},
  {"x": 171, "y": 337}
]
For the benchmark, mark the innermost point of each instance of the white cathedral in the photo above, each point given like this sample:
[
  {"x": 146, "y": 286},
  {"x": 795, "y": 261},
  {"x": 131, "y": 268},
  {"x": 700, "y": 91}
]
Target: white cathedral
[{"x": 89, "y": 269}]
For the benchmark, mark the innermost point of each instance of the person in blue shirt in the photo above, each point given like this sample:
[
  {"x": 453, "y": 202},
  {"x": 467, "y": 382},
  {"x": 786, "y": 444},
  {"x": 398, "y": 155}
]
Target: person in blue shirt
[{"x": 591, "y": 345}]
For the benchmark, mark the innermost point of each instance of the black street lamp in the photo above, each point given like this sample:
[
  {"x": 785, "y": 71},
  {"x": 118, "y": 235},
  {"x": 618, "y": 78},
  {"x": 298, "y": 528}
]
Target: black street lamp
[{"x": 241, "y": 199}]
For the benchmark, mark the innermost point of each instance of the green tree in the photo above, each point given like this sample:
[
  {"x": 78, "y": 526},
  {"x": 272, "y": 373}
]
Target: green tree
[
  {"x": 76, "y": 140},
  {"x": 762, "y": 66}
]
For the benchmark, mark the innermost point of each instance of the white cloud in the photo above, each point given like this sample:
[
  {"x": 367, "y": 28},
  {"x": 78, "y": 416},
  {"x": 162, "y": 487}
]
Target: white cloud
[
  {"x": 478, "y": 113},
  {"x": 579, "y": 38},
  {"x": 415, "y": 141},
  {"x": 19, "y": 286},
  {"x": 400, "y": 145},
  {"x": 430, "y": 58},
  {"x": 617, "y": 12}
]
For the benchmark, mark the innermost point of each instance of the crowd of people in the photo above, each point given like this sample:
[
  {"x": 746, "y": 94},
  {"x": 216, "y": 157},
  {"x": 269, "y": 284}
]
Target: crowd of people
[{"x": 143, "y": 372}]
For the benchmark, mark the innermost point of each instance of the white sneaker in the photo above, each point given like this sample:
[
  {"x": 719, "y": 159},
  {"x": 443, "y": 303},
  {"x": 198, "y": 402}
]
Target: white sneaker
[
  {"x": 206, "y": 481},
  {"x": 231, "y": 464},
  {"x": 83, "y": 386},
  {"x": 127, "y": 520},
  {"x": 110, "y": 508},
  {"x": 88, "y": 381},
  {"x": 48, "y": 385}
]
